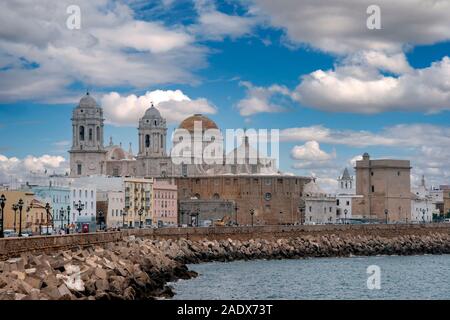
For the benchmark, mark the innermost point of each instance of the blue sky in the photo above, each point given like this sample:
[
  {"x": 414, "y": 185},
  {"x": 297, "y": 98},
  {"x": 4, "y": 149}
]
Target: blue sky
[{"x": 312, "y": 70}]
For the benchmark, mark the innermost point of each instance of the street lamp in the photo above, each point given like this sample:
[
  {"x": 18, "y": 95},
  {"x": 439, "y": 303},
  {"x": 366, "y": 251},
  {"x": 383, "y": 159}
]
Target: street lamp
[
  {"x": 182, "y": 213},
  {"x": 140, "y": 213},
  {"x": 61, "y": 215},
  {"x": 47, "y": 209},
  {"x": 345, "y": 215},
  {"x": 15, "y": 207},
  {"x": 197, "y": 214},
  {"x": 20, "y": 206},
  {"x": 386, "y": 212},
  {"x": 252, "y": 212},
  {"x": 124, "y": 213},
  {"x": 2, "y": 206},
  {"x": 68, "y": 219}
]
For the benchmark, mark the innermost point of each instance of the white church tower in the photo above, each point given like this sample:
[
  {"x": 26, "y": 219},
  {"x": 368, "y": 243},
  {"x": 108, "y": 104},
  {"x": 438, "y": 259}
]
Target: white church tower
[
  {"x": 152, "y": 156},
  {"x": 346, "y": 185},
  {"x": 87, "y": 154},
  {"x": 152, "y": 134}
]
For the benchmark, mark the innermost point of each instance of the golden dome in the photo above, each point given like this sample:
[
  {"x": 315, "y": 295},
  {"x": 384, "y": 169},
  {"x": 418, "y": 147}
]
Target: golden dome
[{"x": 188, "y": 123}]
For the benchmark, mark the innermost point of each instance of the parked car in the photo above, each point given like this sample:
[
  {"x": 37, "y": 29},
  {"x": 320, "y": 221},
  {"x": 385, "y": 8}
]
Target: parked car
[{"x": 9, "y": 233}]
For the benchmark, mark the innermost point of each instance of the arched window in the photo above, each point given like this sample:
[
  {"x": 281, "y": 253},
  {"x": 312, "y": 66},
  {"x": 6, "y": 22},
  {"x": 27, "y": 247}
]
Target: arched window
[
  {"x": 161, "y": 141},
  {"x": 90, "y": 134},
  {"x": 98, "y": 133},
  {"x": 147, "y": 141},
  {"x": 81, "y": 133},
  {"x": 216, "y": 196}
]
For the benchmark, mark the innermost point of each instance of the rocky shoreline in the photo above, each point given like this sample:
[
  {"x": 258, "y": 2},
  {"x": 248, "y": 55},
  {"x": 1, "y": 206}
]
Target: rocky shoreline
[{"x": 137, "y": 268}]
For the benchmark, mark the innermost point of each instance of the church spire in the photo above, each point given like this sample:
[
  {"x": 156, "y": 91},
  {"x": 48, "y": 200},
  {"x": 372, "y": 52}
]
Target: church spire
[{"x": 111, "y": 141}]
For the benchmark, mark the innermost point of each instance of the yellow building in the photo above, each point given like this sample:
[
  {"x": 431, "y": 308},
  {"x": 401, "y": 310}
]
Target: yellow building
[
  {"x": 34, "y": 215},
  {"x": 138, "y": 199}
]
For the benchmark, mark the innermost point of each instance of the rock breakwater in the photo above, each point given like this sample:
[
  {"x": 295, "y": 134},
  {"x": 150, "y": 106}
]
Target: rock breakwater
[{"x": 137, "y": 268}]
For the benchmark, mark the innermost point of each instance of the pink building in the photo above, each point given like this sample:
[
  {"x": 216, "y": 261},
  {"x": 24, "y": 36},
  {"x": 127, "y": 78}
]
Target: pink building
[{"x": 165, "y": 209}]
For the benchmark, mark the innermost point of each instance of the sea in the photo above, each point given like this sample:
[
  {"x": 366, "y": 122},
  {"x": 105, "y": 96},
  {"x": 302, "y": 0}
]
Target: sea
[{"x": 362, "y": 278}]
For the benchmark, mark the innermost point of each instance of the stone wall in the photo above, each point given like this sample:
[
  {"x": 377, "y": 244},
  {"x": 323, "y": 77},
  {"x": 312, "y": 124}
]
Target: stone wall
[{"x": 13, "y": 246}]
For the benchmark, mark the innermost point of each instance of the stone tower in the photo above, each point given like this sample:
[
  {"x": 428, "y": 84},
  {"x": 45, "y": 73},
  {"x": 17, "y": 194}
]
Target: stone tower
[
  {"x": 152, "y": 134},
  {"x": 87, "y": 154}
]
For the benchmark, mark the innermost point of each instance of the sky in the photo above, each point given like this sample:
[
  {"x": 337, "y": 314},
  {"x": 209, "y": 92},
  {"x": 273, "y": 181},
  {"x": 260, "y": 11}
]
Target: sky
[{"x": 313, "y": 69}]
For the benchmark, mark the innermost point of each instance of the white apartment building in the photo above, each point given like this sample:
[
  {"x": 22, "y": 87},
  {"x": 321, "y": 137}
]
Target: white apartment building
[{"x": 320, "y": 207}]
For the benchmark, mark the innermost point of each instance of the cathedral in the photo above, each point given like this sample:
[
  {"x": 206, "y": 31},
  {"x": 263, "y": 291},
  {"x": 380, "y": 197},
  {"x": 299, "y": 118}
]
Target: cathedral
[
  {"x": 250, "y": 190},
  {"x": 89, "y": 156}
]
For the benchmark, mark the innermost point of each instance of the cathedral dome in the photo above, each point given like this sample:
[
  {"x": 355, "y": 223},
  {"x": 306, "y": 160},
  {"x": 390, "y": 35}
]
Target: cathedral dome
[
  {"x": 188, "y": 123},
  {"x": 87, "y": 102},
  {"x": 152, "y": 113}
]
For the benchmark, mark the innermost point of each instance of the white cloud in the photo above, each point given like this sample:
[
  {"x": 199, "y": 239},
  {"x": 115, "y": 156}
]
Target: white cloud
[
  {"x": 340, "y": 26},
  {"x": 311, "y": 151},
  {"x": 112, "y": 48},
  {"x": 401, "y": 135},
  {"x": 215, "y": 25},
  {"x": 362, "y": 89},
  {"x": 261, "y": 99},
  {"x": 19, "y": 168},
  {"x": 174, "y": 105}
]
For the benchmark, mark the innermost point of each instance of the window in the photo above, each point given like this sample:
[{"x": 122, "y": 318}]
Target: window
[
  {"x": 81, "y": 133},
  {"x": 90, "y": 134},
  {"x": 371, "y": 173},
  {"x": 373, "y": 188},
  {"x": 310, "y": 209},
  {"x": 98, "y": 133},
  {"x": 161, "y": 141},
  {"x": 85, "y": 193},
  {"x": 337, "y": 202},
  {"x": 348, "y": 203},
  {"x": 398, "y": 173},
  {"x": 92, "y": 193},
  {"x": 79, "y": 169},
  {"x": 147, "y": 141}
]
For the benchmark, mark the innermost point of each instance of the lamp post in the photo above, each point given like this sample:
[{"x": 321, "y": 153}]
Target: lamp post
[
  {"x": 20, "y": 206},
  {"x": 197, "y": 214},
  {"x": 252, "y": 212},
  {"x": 236, "y": 214},
  {"x": 79, "y": 207},
  {"x": 386, "y": 212},
  {"x": 61, "y": 215},
  {"x": 181, "y": 216},
  {"x": 68, "y": 219},
  {"x": 47, "y": 209},
  {"x": 124, "y": 213},
  {"x": 15, "y": 207},
  {"x": 2, "y": 206},
  {"x": 140, "y": 213},
  {"x": 345, "y": 216}
]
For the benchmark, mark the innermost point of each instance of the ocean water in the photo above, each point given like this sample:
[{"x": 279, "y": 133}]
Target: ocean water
[{"x": 400, "y": 277}]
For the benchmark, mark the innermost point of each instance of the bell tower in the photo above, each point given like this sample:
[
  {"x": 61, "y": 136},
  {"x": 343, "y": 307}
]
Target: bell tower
[
  {"x": 87, "y": 154},
  {"x": 152, "y": 134}
]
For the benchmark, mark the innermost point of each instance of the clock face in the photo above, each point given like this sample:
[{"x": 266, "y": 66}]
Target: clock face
[{"x": 268, "y": 196}]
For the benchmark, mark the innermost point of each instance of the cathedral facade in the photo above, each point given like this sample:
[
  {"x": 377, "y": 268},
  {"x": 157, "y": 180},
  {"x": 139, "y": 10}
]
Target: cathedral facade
[{"x": 89, "y": 155}]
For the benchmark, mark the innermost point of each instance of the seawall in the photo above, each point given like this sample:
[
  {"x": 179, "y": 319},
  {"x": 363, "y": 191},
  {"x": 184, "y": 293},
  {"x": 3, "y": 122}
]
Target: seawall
[{"x": 47, "y": 244}]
